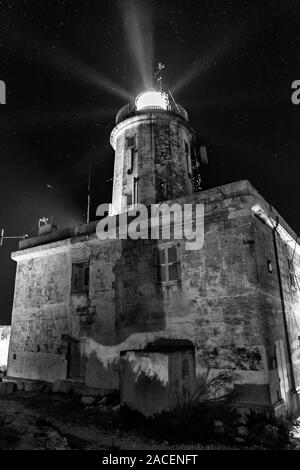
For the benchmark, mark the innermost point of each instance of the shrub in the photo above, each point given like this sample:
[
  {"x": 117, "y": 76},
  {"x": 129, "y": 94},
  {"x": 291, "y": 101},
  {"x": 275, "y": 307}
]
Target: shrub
[{"x": 268, "y": 430}]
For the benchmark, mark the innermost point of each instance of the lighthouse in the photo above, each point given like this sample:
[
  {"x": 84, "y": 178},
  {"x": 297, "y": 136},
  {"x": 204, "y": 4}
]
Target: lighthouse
[
  {"x": 151, "y": 318},
  {"x": 154, "y": 151}
]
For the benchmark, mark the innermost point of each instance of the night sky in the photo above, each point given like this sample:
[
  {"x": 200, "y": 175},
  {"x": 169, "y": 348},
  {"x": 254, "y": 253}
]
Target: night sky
[{"x": 70, "y": 65}]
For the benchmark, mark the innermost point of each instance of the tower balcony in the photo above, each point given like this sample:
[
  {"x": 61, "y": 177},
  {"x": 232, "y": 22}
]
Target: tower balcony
[{"x": 151, "y": 101}]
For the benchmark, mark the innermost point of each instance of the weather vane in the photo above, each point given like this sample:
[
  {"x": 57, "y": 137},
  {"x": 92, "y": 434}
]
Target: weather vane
[{"x": 158, "y": 75}]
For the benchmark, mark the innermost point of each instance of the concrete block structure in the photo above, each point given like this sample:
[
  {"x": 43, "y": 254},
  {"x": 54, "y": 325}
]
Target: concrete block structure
[{"x": 149, "y": 317}]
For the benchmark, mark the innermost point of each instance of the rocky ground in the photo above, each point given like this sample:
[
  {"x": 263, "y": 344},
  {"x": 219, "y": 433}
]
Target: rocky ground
[{"x": 58, "y": 422}]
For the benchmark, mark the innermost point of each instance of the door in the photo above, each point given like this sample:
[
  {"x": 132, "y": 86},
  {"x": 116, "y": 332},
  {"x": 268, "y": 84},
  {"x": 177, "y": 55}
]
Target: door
[
  {"x": 76, "y": 360},
  {"x": 282, "y": 370}
]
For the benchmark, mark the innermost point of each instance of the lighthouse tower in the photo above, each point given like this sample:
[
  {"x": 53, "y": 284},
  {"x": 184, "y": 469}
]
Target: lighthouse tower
[{"x": 154, "y": 152}]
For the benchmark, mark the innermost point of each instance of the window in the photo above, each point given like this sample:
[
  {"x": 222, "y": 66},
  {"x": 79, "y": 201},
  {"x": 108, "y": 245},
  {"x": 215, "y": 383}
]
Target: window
[
  {"x": 129, "y": 200},
  {"x": 80, "y": 277},
  {"x": 291, "y": 273},
  {"x": 130, "y": 142},
  {"x": 132, "y": 197},
  {"x": 270, "y": 267},
  {"x": 130, "y": 161},
  {"x": 167, "y": 264},
  {"x": 164, "y": 190},
  {"x": 135, "y": 191},
  {"x": 188, "y": 158}
]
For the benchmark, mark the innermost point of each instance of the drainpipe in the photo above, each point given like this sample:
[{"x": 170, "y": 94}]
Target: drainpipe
[{"x": 292, "y": 375}]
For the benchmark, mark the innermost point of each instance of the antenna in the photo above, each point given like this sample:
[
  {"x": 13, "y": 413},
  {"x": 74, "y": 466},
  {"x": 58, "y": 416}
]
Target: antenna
[
  {"x": 89, "y": 190},
  {"x": 2, "y": 237}
]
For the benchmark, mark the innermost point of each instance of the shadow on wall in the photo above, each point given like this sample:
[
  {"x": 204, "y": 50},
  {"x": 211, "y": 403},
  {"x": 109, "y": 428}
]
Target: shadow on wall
[
  {"x": 157, "y": 377},
  {"x": 139, "y": 299}
]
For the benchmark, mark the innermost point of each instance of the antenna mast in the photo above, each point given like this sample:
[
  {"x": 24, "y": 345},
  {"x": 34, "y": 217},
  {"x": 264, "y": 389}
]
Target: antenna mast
[
  {"x": 89, "y": 190},
  {"x": 2, "y": 237}
]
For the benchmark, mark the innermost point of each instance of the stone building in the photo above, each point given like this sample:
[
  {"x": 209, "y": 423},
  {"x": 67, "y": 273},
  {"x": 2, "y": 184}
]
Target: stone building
[{"x": 150, "y": 317}]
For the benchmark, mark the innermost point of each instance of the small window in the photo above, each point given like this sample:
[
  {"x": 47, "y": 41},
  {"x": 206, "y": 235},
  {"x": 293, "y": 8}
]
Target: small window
[
  {"x": 130, "y": 161},
  {"x": 164, "y": 190},
  {"x": 130, "y": 142},
  {"x": 80, "y": 277},
  {"x": 270, "y": 267},
  {"x": 167, "y": 264},
  {"x": 188, "y": 158},
  {"x": 129, "y": 200},
  {"x": 135, "y": 190},
  {"x": 292, "y": 275}
]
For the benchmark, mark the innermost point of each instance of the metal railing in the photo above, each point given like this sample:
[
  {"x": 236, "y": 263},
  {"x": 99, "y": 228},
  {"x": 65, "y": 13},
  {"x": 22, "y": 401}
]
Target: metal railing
[{"x": 130, "y": 110}]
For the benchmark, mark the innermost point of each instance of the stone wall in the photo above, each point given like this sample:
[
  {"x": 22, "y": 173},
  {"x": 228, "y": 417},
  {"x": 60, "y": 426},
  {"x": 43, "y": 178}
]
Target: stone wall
[
  {"x": 226, "y": 303},
  {"x": 159, "y": 159}
]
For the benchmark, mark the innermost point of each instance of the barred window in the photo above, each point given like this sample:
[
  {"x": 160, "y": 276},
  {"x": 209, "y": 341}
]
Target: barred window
[
  {"x": 80, "y": 277},
  {"x": 168, "y": 264}
]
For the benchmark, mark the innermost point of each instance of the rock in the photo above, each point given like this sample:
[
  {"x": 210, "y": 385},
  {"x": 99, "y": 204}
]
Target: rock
[
  {"x": 53, "y": 441},
  {"x": 218, "y": 424},
  {"x": 242, "y": 431},
  {"x": 101, "y": 407},
  {"x": 116, "y": 409},
  {"x": 239, "y": 440},
  {"x": 104, "y": 401},
  {"x": 86, "y": 401},
  {"x": 62, "y": 386},
  {"x": 30, "y": 386}
]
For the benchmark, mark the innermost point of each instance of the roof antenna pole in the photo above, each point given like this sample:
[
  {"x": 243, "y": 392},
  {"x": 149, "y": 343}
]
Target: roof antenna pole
[
  {"x": 89, "y": 190},
  {"x": 18, "y": 237}
]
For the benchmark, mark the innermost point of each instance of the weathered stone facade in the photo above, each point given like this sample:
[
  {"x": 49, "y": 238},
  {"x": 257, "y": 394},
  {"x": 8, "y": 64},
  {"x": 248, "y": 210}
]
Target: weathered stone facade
[
  {"x": 227, "y": 303},
  {"x": 93, "y": 311}
]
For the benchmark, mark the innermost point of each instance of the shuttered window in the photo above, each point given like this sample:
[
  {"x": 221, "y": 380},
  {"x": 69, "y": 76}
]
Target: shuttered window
[
  {"x": 80, "y": 277},
  {"x": 167, "y": 264}
]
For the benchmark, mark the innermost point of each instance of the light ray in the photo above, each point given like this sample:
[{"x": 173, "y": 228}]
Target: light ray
[
  {"x": 137, "y": 21},
  {"x": 228, "y": 42},
  {"x": 40, "y": 120},
  {"x": 56, "y": 57}
]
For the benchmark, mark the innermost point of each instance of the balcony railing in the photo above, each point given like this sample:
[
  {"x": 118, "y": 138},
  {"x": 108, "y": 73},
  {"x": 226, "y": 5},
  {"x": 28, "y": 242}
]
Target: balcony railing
[{"x": 130, "y": 110}]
